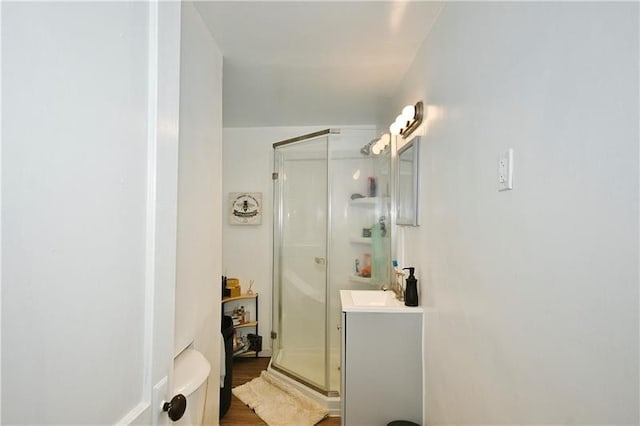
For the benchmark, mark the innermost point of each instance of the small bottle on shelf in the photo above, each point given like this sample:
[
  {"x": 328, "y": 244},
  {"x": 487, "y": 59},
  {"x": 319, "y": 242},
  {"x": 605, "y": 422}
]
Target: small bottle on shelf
[{"x": 241, "y": 315}]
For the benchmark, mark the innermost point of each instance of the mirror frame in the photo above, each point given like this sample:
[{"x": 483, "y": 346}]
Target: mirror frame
[{"x": 408, "y": 216}]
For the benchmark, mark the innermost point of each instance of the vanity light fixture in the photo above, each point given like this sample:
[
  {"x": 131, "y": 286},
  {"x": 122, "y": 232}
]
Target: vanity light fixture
[
  {"x": 408, "y": 120},
  {"x": 376, "y": 146},
  {"x": 381, "y": 144}
]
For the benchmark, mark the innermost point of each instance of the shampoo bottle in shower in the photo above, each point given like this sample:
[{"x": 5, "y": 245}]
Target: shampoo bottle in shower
[
  {"x": 379, "y": 262},
  {"x": 411, "y": 290}
]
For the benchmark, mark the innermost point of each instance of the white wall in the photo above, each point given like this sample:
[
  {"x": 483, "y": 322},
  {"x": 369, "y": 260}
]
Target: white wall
[
  {"x": 199, "y": 196},
  {"x": 532, "y": 293}
]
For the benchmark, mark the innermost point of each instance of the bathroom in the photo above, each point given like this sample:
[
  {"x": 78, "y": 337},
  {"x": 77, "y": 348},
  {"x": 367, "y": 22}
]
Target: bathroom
[{"x": 532, "y": 293}]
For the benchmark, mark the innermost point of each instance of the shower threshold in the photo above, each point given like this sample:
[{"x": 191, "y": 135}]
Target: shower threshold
[{"x": 328, "y": 399}]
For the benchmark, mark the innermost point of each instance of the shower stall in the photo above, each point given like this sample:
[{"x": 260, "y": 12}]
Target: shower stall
[{"x": 329, "y": 193}]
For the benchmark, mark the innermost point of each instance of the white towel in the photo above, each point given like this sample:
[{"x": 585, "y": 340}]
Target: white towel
[{"x": 223, "y": 359}]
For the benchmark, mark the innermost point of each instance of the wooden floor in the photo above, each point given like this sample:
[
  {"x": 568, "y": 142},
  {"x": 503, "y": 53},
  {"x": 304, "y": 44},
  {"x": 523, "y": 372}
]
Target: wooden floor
[{"x": 245, "y": 369}]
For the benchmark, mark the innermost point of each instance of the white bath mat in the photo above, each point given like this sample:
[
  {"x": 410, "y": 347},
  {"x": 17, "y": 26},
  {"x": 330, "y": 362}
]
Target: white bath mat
[{"x": 279, "y": 404}]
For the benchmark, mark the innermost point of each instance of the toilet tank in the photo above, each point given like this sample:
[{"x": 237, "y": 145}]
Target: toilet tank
[{"x": 190, "y": 372}]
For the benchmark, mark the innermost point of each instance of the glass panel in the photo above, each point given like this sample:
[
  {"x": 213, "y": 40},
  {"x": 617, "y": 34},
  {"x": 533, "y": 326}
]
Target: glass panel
[
  {"x": 300, "y": 260},
  {"x": 351, "y": 170}
]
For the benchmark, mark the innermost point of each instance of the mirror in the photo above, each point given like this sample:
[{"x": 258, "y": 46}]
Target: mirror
[{"x": 407, "y": 181}]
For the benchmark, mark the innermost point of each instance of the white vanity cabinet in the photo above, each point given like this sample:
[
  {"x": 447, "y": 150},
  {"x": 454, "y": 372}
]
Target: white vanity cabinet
[{"x": 381, "y": 358}]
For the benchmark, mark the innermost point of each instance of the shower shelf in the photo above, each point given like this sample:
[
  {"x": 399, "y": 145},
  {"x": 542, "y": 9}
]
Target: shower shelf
[
  {"x": 359, "y": 279},
  {"x": 367, "y": 201},
  {"x": 360, "y": 240}
]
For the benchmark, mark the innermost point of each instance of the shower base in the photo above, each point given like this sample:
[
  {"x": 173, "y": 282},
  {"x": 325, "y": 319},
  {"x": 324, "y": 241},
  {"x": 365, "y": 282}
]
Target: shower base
[{"x": 302, "y": 369}]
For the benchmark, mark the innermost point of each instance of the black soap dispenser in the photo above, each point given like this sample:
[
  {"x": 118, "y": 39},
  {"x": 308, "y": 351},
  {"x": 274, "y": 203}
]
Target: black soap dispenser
[{"x": 411, "y": 291}]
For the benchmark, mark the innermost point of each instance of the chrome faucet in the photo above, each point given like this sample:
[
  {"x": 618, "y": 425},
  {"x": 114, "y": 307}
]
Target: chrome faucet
[{"x": 396, "y": 287}]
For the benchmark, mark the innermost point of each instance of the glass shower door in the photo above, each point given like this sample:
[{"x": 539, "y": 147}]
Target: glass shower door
[{"x": 300, "y": 265}]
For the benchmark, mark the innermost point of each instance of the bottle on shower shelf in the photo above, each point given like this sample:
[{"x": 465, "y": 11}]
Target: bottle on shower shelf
[
  {"x": 379, "y": 259},
  {"x": 372, "y": 187},
  {"x": 365, "y": 266}
]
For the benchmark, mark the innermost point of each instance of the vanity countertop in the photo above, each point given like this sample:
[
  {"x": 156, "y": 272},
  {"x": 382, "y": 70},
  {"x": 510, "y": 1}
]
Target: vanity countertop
[{"x": 374, "y": 301}]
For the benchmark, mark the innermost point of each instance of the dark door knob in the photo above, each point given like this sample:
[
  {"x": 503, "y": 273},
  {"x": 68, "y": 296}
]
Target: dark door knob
[{"x": 176, "y": 407}]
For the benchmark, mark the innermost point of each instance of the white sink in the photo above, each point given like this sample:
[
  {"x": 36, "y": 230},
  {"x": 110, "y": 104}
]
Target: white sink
[
  {"x": 372, "y": 297},
  {"x": 373, "y": 301}
]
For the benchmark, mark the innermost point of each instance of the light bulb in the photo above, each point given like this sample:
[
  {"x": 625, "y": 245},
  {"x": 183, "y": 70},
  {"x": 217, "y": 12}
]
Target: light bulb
[
  {"x": 376, "y": 149},
  {"x": 409, "y": 112},
  {"x": 385, "y": 139},
  {"x": 395, "y": 128}
]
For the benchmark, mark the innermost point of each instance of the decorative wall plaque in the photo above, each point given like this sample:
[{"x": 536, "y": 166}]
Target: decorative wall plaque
[{"x": 246, "y": 208}]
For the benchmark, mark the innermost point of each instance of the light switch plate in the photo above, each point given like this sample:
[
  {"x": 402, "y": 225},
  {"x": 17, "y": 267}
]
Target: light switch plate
[{"x": 505, "y": 170}]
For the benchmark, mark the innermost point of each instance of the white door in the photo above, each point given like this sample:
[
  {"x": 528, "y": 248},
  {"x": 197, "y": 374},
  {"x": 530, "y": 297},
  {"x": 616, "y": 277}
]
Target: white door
[{"x": 88, "y": 197}]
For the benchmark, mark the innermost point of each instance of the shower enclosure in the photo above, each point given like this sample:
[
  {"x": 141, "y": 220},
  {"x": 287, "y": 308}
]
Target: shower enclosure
[{"x": 329, "y": 192}]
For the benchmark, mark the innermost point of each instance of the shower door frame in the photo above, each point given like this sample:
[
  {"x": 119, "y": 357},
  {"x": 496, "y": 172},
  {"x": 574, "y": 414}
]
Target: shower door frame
[{"x": 277, "y": 260}]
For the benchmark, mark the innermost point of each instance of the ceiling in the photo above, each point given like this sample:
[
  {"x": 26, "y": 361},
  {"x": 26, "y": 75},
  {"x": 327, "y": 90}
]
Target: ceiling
[{"x": 298, "y": 63}]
